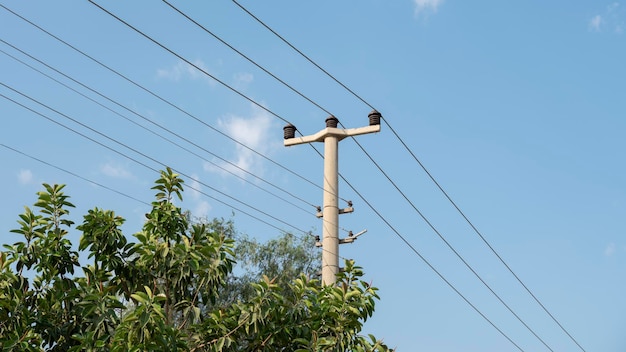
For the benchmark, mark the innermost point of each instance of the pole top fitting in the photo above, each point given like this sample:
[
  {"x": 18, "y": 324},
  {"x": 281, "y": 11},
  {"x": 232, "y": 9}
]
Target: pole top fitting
[
  {"x": 374, "y": 117},
  {"x": 290, "y": 131},
  {"x": 332, "y": 121}
]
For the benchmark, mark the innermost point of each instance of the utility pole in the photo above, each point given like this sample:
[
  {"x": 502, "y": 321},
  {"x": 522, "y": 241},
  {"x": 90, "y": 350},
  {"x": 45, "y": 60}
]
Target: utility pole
[{"x": 331, "y": 136}]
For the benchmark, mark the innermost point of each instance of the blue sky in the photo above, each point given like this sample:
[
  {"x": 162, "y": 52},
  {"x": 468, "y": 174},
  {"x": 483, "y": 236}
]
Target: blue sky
[{"x": 515, "y": 108}]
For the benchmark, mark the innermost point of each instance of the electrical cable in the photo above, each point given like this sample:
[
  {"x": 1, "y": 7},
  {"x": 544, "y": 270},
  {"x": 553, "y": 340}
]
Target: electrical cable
[
  {"x": 126, "y": 118},
  {"x": 447, "y": 196},
  {"x": 74, "y": 174},
  {"x": 154, "y": 123},
  {"x": 190, "y": 63},
  {"x": 246, "y": 57},
  {"x": 224, "y": 84},
  {"x": 101, "y": 185},
  {"x": 434, "y": 229},
  {"x": 165, "y": 100},
  {"x": 378, "y": 166},
  {"x": 407, "y": 243},
  {"x": 219, "y": 81},
  {"x": 146, "y": 156},
  {"x": 156, "y": 161}
]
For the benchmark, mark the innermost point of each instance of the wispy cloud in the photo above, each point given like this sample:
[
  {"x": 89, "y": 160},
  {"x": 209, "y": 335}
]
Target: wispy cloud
[
  {"x": 253, "y": 132},
  {"x": 609, "y": 250},
  {"x": 183, "y": 70},
  {"x": 243, "y": 79},
  {"x": 611, "y": 20},
  {"x": 114, "y": 170},
  {"x": 202, "y": 209},
  {"x": 25, "y": 177},
  {"x": 425, "y": 6},
  {"x": 594, "y": 23}
]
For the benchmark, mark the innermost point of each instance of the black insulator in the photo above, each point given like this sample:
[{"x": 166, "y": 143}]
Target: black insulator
[
  {"x": 290, "y": 131},
  {"x": 332, "y": 121},
  {"x": 374, "y": 118}
]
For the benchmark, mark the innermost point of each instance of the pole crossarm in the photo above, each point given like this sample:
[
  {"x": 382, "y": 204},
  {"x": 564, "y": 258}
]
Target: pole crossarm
[{"x": 331, "y": 131}]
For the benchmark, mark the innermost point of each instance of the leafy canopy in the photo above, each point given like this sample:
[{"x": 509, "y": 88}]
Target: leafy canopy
[{"x": 165, "y": 292}]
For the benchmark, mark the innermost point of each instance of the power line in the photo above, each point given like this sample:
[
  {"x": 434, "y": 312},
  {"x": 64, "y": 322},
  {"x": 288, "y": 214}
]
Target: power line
[
  {"x": 380, "y": 169},
  {"x": 458, "y": 255},
  {"x": 154, "y": 160},
  {"x": 156, "y": 124},
  {"x": 474, "y": 228},
  {"x": 167, "y": 101},
  {"x": 246, "y": 57},
  {"x": 147, "y": 119},
  {"x": 111, "y": 189},
  {"x": 143, "y": 127},
  {"x": 407, "y": 243},
  {"x": 138, "y": 152},
  {"x": 224, "y": 84},
  {"x": 274, "y": 114},
  {"x": 74, "y": 174},
  {"x": 239, "y": 93}
]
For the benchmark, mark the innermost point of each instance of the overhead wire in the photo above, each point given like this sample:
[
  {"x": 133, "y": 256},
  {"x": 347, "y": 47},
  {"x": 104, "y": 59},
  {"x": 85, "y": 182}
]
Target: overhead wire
[
  {"x": 205, "y": 72},
  {"x": 146, "y": 156},
  {"x": 246, "y": 57},
  {"x": 221, "y": 82},
  {"x": 155, "y": 161},
  {"x": 190, "y": 115},
  {"x": 165, "y": 100},
  {"x": 232, "y": 89},
  {"x": 432, "y": 178},
  {"x": 107, "y": 187},
  {"x": 427, "y": 262},
  {"x": 229, "y": 205},
  {"x": 74, "y": 174},
  {"x": 143, "y": 127},
  {"x": 156, "y": 124},
  {"x": 474, "y": 272}
]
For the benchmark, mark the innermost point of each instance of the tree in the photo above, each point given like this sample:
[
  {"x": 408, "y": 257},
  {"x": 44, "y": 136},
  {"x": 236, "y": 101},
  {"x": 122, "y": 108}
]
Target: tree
[
  {"x": 282, "y": 259},
  {"x": 160, "y": 293}
]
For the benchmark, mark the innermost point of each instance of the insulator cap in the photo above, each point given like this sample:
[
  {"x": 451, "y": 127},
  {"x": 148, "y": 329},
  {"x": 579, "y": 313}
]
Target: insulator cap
[
  {"x": 332, "y": 121},
  {"x": 374, "y": 117},
  {"x": 290, "y": 131}
]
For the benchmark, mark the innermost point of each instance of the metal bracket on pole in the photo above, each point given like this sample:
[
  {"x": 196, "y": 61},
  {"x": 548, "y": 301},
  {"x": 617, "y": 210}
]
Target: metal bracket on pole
[
  {"x": 352, "y": 237},
  {"x": 318, "y": 243},
  {"x": 348, "y": 210}
]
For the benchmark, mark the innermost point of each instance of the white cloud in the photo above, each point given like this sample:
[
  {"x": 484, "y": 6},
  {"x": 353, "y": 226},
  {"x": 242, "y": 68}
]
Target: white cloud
[
  {"x": 202, "y": 209},
  {"x": 25, "y": 176},
  {"x": 609, "y": 250},
  {"x": 426, "y": 5},
  {"x": 115, "y": 170},
  {"x": 184, "y": 70},
  {"x": 243, "y": 79},
  {"x": 254, "y": 132},
  {"x": 611, "y": 20},
  {"x": 594, "y": 23}
]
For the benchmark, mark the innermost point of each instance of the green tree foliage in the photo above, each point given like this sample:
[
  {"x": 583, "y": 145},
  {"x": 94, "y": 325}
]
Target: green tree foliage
[
  {"x": 282, "y": 259},
  {"x": 161, "y": 293}
]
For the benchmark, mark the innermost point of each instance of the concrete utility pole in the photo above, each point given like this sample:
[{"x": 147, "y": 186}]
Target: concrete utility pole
[{"x": 331, "y": 136}]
